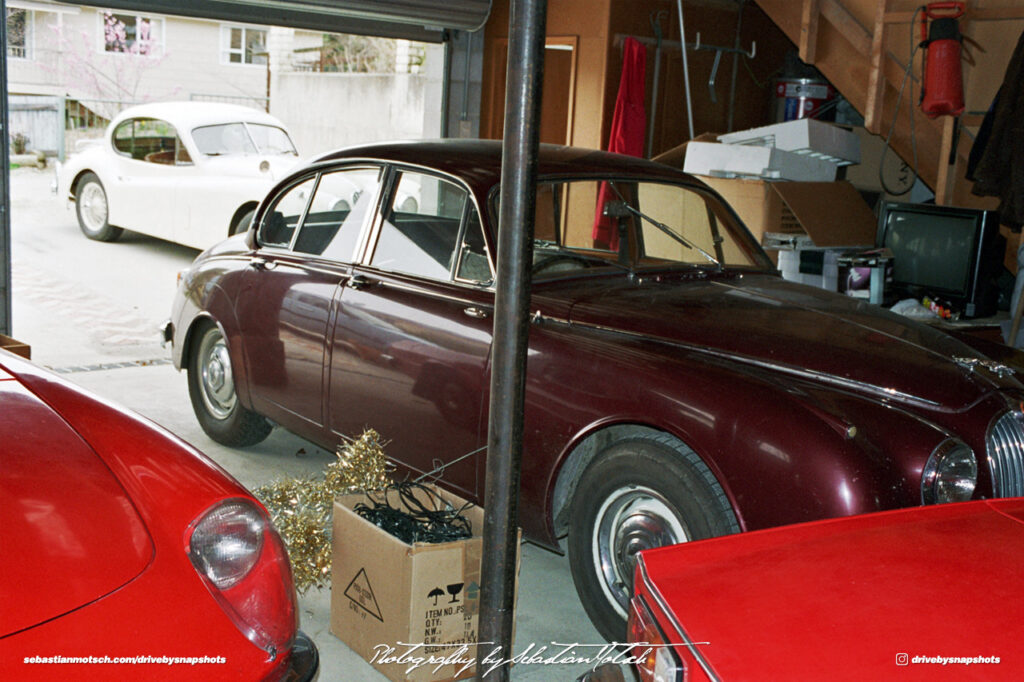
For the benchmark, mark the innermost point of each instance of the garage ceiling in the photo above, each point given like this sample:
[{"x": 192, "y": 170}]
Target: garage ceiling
[{"x": 423, "y": 20}]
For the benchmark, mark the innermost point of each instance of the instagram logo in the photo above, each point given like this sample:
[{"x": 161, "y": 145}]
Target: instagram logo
[{"x": 902, "y": 659}]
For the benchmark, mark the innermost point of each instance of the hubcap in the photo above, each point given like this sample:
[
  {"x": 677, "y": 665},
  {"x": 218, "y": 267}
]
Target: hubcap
[
  {"x": 216, "y": 383},
  {"x": 631, "y": 520},
  {"x": 94, "y": 207}
]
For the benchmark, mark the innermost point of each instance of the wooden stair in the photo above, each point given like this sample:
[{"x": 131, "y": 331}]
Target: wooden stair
[{"x": 859, "y": 61}]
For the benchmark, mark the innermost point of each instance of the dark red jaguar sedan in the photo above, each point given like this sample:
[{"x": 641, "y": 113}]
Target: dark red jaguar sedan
[{"x": 677, "y": 387}]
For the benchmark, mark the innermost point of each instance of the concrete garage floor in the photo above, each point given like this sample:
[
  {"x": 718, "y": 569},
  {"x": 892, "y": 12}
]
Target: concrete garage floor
[{"x": 90, "y": 310}]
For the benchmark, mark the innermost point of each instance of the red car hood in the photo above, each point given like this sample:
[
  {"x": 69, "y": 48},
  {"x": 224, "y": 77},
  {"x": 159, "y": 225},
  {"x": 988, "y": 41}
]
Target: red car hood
[
  {"x": 70, "y": 532},
  {"x": 809, "y": 332},
  {"x": 846, "y": 598}
]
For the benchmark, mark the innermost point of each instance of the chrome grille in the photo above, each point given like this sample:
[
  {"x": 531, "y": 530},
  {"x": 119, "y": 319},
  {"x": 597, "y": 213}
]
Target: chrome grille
[{"x": 1005, "y": 447}]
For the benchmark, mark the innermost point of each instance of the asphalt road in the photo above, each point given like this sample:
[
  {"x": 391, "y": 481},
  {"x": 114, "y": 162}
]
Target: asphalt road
[{"x": 91, "y": 310}]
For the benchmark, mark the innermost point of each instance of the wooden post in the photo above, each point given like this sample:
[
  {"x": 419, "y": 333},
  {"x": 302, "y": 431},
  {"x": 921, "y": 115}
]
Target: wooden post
[
  {"x": 876, "y": 79},
  {"x": 809, "y": 31},
  {"x": 946, "y": 169}
]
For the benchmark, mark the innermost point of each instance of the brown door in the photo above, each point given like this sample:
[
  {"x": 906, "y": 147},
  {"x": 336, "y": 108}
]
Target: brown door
[{"x": 558, "y": 91}]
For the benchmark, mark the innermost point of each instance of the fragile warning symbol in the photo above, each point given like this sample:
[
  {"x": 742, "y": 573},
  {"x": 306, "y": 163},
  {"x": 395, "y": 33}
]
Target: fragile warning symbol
[{"x": 361, "y": 594}]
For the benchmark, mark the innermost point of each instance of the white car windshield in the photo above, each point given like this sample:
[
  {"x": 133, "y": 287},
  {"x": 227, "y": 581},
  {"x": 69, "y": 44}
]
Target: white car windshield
[{"x": 242, "y": 138}]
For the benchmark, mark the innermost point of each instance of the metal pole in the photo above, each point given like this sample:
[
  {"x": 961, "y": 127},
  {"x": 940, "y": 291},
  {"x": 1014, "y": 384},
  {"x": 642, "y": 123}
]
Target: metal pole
[
  {"x": 5, "y": 187},
  {"x": 735, "y": 64},
  {"x": 654, "y": 99},
  {"x": 446, "y": 84},
  {"x": 686, "y": 68},
  {"x": 511, "y": 330}
]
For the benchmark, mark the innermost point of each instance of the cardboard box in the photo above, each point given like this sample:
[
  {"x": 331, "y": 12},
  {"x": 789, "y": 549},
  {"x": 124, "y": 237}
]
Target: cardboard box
[
  {"x": 16, "y": 347},
  {"x": 864, "y": 176},
  {"x": 805, "y": 136},
  {"x": 387, "y": 595},
  {"x": 832, "y": 214},
  {"x": 736, "y": 160}
]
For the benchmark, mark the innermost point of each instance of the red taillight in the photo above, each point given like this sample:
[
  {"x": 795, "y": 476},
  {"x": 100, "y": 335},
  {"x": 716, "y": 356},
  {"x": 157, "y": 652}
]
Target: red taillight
[
  {"x": 655, "y": 662},
  {"x": 242, "y": 560}
]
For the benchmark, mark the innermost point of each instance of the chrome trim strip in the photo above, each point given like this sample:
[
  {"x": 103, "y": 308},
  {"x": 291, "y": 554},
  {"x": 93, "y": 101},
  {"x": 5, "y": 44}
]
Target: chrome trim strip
[
  {"x": 812, "y": 375},
  {"x": 428, "y": 291},
  {"x": 663, "y": 605}
]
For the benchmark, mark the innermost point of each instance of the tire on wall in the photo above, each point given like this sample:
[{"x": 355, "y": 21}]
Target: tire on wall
[
  {"x": 93, "y": 211},
  {"x": 640, "y": 492},
  {"x": 211, "y": 386}
]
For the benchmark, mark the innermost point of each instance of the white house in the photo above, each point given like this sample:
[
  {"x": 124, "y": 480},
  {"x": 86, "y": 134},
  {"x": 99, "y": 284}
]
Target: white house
[{"x": 91, "y": 62}]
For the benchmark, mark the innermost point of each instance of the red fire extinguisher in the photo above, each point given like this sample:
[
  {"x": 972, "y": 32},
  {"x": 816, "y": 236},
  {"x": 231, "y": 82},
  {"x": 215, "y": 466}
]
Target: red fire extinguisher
[{"x": 943, "y": 90}]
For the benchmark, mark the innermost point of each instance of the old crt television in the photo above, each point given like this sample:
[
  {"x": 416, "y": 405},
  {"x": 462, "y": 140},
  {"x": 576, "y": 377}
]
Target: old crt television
[{"x": 952, "y": 255}]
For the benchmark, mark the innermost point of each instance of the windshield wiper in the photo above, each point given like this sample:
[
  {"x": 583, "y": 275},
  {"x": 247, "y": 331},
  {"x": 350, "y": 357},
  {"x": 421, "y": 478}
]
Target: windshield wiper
[
  {"x": 557, "y": 252},
  {"x": 663, "y": 227}
]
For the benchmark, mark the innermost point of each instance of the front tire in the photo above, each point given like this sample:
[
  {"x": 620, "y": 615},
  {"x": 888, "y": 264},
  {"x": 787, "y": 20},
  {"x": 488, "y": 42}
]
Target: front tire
[
  {"x": 640, "y": 492},
  {"x": 211, "y": 386},
  {"x": 93, "y": 211}
]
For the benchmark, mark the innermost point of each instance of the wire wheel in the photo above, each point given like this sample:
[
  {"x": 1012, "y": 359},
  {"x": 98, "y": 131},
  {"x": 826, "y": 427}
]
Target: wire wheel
[{"x": 93, "y": 210}]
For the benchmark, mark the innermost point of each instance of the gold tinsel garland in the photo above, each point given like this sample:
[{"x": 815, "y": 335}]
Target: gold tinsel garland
[{"x": 301, "y": 508}]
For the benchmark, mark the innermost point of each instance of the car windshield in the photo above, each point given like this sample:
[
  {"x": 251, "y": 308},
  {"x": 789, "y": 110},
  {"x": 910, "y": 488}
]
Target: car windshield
[
  {"x": 636, "y": 225},
  {"x": 242, "y": 138}
]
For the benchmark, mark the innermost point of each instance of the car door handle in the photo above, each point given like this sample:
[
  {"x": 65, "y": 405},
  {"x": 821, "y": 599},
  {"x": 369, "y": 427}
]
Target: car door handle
[
  {"x": 358, "y": 282},
  {"x": 260, "y": 263},
  {"x": 478, "y": 313}
]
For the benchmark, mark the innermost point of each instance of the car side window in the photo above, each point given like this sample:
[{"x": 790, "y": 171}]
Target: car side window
[
  {"x": 151, "y": 140},
  {"x": 280, "y": 221},
  {"x": 342, "y": 201},
  {"x": 420, "y": 230},
  {"x": 473, "y": 265}
]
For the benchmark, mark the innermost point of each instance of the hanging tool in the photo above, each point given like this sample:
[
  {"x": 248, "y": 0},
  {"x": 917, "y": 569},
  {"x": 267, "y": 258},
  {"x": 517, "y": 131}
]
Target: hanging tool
[
  {"x": 686, "y": 69},
  {"x": 656, "y": 26}
]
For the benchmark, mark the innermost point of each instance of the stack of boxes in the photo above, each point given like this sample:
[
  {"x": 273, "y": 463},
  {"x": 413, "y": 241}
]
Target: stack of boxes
[{"x": 781, "y": 180}]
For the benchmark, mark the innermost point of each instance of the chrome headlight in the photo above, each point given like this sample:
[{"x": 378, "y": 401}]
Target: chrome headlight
[{"x": 950, "y": 474}]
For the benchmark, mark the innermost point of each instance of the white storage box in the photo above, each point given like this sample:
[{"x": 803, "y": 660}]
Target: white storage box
[
  {"x": 804, "y": 136},
  {"x": 805, "y": 264},
  {"x": 733, "y": 160}
]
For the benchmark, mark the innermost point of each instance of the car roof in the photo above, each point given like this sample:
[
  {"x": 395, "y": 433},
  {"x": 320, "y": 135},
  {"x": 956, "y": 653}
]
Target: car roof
[
  {"x": 188, "y": 115},
  {"x": 478, "y": 162}
]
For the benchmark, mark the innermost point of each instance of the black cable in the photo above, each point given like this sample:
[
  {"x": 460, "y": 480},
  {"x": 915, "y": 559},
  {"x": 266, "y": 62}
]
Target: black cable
[
  {"x": 895, "y": 114},
  {"x": 419, "y": 515}
]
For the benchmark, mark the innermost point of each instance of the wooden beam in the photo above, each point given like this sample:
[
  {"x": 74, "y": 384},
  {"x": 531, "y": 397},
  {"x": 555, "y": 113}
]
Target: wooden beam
[
  {"x": 876, "y": 79},
  {"x": 809, "y": 31},
  {"x": 946, "y": 169},
  {"x": 846, "y": 24},
  {"x": 994, "y": 14}
]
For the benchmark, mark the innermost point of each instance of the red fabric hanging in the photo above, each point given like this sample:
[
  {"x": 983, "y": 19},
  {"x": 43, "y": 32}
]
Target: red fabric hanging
[{"x": 629, "y": 122}]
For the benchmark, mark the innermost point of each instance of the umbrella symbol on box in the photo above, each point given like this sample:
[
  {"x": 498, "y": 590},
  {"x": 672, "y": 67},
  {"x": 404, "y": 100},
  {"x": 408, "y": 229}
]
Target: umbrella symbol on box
[{"x": 435, "y": 593}]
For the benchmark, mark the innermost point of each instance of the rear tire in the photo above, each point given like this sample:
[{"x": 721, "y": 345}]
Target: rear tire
[
  {"x": 211, "y": 386},
  {"x": 640, "y": 492},
  {"x": 93, "y": 211}
]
